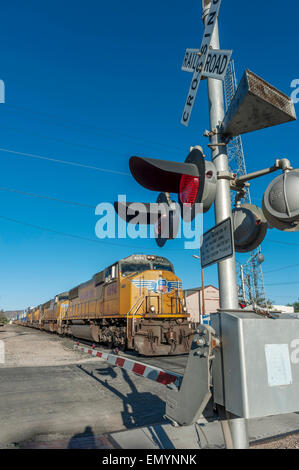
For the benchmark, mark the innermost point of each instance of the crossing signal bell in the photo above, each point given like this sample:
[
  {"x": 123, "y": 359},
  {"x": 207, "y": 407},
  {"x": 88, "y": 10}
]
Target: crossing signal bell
[
  {"x": 250, "y": 227},
  {"x": 281, "y": 202}
]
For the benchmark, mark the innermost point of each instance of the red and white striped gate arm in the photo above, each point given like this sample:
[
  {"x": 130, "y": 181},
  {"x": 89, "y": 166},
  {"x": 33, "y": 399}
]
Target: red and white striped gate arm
[{"x": 163, "y": 376}]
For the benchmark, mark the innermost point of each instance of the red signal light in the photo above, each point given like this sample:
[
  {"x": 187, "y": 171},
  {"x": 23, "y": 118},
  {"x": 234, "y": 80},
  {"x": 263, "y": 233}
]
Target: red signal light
[
  {"x": 242, "y": 305},
  {"x": 189, "y": 186}
]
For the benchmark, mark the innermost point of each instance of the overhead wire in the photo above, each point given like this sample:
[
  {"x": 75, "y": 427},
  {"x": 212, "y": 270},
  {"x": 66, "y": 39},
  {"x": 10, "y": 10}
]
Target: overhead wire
[
  {"x": 282, "y": 268},
  {"x": 66, "y": 142},
  {"x": 98, "y": 130},
  {"x": 41, "y": 196},
  {"x": 79, "y": 237},
  {"x": 64, "y": 162},
  {"x": 89, "y": 206},
  {"x": 283, "y": 243},
  {"x": 283, "y": 284}
]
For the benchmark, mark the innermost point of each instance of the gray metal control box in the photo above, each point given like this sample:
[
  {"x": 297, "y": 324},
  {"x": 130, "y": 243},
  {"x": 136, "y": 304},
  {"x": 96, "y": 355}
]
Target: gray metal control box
[{"x": 256, "y": 370}]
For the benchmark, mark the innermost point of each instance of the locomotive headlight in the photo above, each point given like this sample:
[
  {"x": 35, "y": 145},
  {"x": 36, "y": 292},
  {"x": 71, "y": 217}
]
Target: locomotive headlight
[
  {"x": 185, "y": 309},
  {"x": 153, "y": 309}
]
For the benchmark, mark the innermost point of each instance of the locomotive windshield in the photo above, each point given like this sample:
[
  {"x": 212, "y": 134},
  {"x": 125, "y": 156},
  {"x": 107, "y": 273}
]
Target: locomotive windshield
[
  {"x": 130, "y": 268},
  {"x": 162, "y": 266}
]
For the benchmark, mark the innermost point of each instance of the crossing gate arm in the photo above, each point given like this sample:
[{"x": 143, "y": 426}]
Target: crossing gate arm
[
  {"x": 162, "y": 376},
  {"x": 188, "y": 394}
]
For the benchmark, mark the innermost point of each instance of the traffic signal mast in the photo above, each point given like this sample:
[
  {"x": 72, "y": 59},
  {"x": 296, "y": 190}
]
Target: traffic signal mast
[{"x": 256, "y": 105}]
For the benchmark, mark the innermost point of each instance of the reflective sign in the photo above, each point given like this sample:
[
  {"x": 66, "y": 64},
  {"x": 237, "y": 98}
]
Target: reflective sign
[{"x": 216, "y": 64}]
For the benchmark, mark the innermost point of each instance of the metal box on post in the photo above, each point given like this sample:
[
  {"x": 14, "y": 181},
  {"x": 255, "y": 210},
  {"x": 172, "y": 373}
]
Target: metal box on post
[
  {"x": 256, "y": 105},
  {"x": 256, "y": 371}
]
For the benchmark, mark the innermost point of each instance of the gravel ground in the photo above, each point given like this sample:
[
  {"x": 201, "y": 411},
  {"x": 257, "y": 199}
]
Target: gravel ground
[
  {"x": 38, "y": 349},
  {"x": 49, "y": 372},
  {"x": 287, "y": 442},
  {"x": 51, "y": 393}
]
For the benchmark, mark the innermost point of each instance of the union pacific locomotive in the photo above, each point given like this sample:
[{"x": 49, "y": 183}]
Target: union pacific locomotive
[{"x": 136, "y": 303}]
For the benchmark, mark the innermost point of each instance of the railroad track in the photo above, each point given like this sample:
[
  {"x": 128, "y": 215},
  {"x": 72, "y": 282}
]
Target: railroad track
[{"x": 173, "y": 363}]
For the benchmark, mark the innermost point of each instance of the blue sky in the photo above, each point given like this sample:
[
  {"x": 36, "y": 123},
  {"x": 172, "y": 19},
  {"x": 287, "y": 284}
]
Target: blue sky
[{"x": 95, "y": 82}]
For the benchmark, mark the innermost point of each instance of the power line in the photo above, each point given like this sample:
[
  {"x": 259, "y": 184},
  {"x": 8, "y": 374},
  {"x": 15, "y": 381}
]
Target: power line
[
  {"x": 99, "y": 129},
  {"x": 78, "y": 237},
  {"x": 62, "y": 141},
  {"x": 283, "y": 284},
  {"x": 282, "y": 269},
  {"x": 283, "y": 243},
  {"x": 64, "y": 162},
  {"x": 283, "y": 296},
  {"x": 47, "y": 197}
]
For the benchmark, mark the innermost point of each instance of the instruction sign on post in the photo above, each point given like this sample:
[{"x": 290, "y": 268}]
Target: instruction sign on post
[{"x": 217, "y": 244}]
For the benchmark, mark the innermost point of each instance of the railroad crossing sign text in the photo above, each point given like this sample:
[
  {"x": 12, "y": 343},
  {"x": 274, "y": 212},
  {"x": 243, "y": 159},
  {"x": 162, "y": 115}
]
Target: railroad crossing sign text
[{"x": 216, "y": 64}]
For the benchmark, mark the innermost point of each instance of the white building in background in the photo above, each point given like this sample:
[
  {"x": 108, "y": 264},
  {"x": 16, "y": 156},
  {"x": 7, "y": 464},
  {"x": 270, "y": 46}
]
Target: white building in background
[
  {"x": 194, "y": 303},
  {"x": 282, "y": 309}
]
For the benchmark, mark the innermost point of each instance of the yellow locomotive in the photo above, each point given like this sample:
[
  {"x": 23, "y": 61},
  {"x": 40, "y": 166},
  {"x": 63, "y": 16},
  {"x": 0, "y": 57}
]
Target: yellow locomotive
[{"x": 136, "y": 303}]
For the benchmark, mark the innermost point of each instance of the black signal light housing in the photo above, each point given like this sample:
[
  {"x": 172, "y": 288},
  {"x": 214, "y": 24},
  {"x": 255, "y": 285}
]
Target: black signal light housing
[{"x": 194, "y": 180}]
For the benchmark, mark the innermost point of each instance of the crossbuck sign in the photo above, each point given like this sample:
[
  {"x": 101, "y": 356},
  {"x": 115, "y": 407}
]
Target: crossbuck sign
[
  {"x": 216, "y": 63},
  {"x": 204, "y": 62}
]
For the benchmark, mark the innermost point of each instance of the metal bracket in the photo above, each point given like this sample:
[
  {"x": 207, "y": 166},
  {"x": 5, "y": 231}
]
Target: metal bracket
[
  {"x": 209, "y": 133},
  {"x": 226, "y": 175},
  {"x": 214, "y": 146},
  {"x": 218, "y": 131}
]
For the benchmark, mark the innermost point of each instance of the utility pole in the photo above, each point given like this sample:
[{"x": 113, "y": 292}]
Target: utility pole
[
  {"x": 203, "y": 303},
  {"x": 201, "y": 306},
  {"x": 223, "y": 210}
]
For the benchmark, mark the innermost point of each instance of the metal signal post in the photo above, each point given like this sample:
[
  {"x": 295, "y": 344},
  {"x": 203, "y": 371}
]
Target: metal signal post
[
  {"x": 236, "y": 365},
  {"x": 223, "y": 210}
]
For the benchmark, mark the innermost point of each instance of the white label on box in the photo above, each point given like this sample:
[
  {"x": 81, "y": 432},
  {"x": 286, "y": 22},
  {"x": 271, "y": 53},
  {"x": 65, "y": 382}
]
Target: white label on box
[{"x": 278, "y": 364}]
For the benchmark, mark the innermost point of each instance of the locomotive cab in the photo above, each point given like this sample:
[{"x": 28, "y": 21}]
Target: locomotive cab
[{"x": 157, "y": 322}]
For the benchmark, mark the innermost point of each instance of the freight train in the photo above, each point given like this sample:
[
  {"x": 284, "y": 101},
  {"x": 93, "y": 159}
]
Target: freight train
[{"x": 136, "y": 303}]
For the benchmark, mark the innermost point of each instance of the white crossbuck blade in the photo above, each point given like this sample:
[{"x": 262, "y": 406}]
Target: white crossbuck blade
[
  {"x": 216, "y": 64},
  {"x": 204, "y": 51}
]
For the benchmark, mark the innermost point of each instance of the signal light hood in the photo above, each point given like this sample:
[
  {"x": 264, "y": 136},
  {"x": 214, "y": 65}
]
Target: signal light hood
[{"x": 160, "y": 175}]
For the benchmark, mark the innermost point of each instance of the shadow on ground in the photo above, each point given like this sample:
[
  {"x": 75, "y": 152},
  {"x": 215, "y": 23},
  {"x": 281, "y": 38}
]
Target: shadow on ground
[
  {"x": 84, "y": 440},
  {"x": 139, "y": 408}
]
